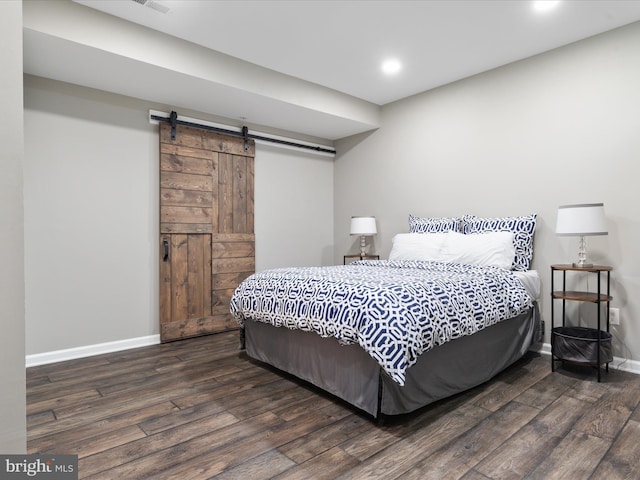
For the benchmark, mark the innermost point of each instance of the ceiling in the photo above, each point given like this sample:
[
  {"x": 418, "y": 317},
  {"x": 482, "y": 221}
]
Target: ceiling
[{"x": 341, "y": 44}]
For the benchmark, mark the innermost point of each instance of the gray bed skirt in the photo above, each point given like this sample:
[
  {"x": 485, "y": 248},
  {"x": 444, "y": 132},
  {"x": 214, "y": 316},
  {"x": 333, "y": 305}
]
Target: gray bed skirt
[{"x": 349, "y": 373}]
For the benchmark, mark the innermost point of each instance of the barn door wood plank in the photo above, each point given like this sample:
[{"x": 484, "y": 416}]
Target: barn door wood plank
[
  {"x": 186, "y": 198},
  {"x": 250, "y": 195},
  {"x": 174, "y": 149},
  {"x": 185, "y": 228},
  {"x": 215, "y": 194},
  {"x": 195, "y": 268},
  {"x": 186, "y": 181},
  {"x": 171, "y": 162},
  {"x": 225, "y": 193},
  {"x": 233, "y": 249},
  {"x": 179, "y": 276},
  {"x": 239, "y": 207}
]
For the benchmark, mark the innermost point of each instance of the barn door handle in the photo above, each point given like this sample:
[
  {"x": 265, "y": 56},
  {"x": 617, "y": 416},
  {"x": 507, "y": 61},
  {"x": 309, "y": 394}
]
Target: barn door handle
[{"x": 165, "y": 245}]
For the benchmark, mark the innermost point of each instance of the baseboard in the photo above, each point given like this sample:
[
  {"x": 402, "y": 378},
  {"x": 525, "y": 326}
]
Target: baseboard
[
  {"x": 632, "y": 366},
  {"x": 89, "y": 350},
  {"x": 626, "y": 365}
]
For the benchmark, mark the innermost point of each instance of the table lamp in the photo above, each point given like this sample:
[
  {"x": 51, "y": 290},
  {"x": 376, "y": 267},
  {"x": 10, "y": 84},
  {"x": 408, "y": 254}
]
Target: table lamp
[
  {"x": 365, "y": 227},
  {"x": 581, "y": 220}
]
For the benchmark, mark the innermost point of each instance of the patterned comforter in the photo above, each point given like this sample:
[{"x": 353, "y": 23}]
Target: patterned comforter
[{"x": 395, "y": 310}]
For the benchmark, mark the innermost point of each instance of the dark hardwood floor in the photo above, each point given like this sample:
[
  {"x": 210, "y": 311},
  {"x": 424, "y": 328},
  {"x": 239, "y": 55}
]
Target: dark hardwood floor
[{"x": 200, "y": 409}]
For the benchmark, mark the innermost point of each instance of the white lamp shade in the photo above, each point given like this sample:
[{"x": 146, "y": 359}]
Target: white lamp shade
[
  {"x": 363, "y": 226},
  {"x": 584, "y": 219}
]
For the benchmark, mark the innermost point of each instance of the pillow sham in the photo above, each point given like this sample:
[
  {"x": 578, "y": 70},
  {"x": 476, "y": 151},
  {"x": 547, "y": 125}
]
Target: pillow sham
[
  {"x": 417, "y": 246},
  {"x": 488, "y": 249},
  {"x": 434, "y": 224},
  {"x": 522, "y": 228}
]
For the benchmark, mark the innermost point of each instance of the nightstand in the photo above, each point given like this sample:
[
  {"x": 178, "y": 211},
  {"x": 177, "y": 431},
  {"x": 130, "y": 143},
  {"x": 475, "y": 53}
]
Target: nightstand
[
  {"x": 581, "y": 345},
  {"x": 353, "y": 258}
]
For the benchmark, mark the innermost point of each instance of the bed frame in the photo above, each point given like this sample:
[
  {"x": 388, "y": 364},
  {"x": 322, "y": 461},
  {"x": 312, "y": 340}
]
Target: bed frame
[{"x": 349, "y": 373}]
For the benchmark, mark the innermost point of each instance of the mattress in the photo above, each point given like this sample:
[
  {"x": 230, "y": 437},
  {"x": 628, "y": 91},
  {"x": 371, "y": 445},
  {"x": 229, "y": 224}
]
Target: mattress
[{"x": 530, "y": 280}]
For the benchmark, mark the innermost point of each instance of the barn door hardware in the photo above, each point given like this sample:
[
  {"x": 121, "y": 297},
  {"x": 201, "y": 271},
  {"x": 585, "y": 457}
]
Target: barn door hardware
[
  {"x": 245, "y": 136},
  {"x": 165, "y": 246},
  {"x": 244, "y": 133},
  {"x": 173, "y": 119}
]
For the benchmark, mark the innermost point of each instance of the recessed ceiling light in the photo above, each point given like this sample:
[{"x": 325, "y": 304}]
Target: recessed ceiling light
[
  {"x": 545, "y": 5},
  {"x": 391, "y": 66}
]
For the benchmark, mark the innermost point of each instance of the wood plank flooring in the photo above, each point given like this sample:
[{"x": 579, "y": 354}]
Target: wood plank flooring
[{"x": 199, "y": 409}]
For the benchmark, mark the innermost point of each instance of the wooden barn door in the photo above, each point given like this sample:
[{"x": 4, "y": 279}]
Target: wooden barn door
[{"x": 207, "y": 243}]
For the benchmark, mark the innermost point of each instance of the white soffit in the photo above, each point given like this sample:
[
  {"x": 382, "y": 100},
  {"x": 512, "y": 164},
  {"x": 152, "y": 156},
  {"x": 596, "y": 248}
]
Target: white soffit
[{"x": 74, "y": 44}]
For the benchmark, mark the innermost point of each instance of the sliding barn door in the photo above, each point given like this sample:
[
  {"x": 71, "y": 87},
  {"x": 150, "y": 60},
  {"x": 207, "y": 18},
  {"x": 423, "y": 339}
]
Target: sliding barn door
[{"x": 207, "y": 244}]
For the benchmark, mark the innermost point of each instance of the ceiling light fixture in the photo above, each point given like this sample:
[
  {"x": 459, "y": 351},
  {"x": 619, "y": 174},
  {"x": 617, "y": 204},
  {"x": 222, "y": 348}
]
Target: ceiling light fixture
[
  {"x": 154, "y": 4},
  {"x": 545, "y": 5},
  {"x": 391, "y": 66}
]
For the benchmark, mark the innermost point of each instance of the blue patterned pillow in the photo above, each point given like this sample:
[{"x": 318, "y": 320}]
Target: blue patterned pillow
[
  {"x": 434, "y": 225},
  {"x": 522, "y": 228}
]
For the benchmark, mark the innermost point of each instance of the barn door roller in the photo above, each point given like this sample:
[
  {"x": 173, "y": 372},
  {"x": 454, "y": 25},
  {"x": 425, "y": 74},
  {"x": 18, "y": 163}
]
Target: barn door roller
[
  {"x": 245, "y": 136},
  {"x": 173, "y": 119}
]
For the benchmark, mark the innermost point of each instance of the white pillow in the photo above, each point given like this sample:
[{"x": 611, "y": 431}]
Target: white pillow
[
  {"x": 491, "y": 248},
  {"x": 417, "y": 246},
  {"x": 523, "y": 228}
]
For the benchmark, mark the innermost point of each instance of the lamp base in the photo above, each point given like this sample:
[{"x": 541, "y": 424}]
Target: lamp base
[
  {"x": 363, "y": 246},
  {"x": 582, "y": 265},
  {"x": 582, "y": 254}
]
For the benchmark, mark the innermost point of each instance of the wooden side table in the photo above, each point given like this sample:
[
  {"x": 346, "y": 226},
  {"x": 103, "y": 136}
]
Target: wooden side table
[{"x": 353, "y": 258}]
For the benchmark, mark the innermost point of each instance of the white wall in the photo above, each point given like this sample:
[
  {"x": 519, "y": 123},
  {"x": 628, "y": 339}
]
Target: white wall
[
  {"x": 559, "y": 128},
  {"x": 293, "y": 208},
  {"x": 91, "y": 215},
  {"x": 12, "y": 373}
]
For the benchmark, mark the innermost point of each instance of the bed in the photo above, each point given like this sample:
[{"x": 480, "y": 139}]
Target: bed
[{"x": 453, "y": 306}]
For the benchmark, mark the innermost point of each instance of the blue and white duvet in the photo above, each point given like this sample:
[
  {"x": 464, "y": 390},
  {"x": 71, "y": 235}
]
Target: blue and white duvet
[{"x": 395, "y": 310}]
